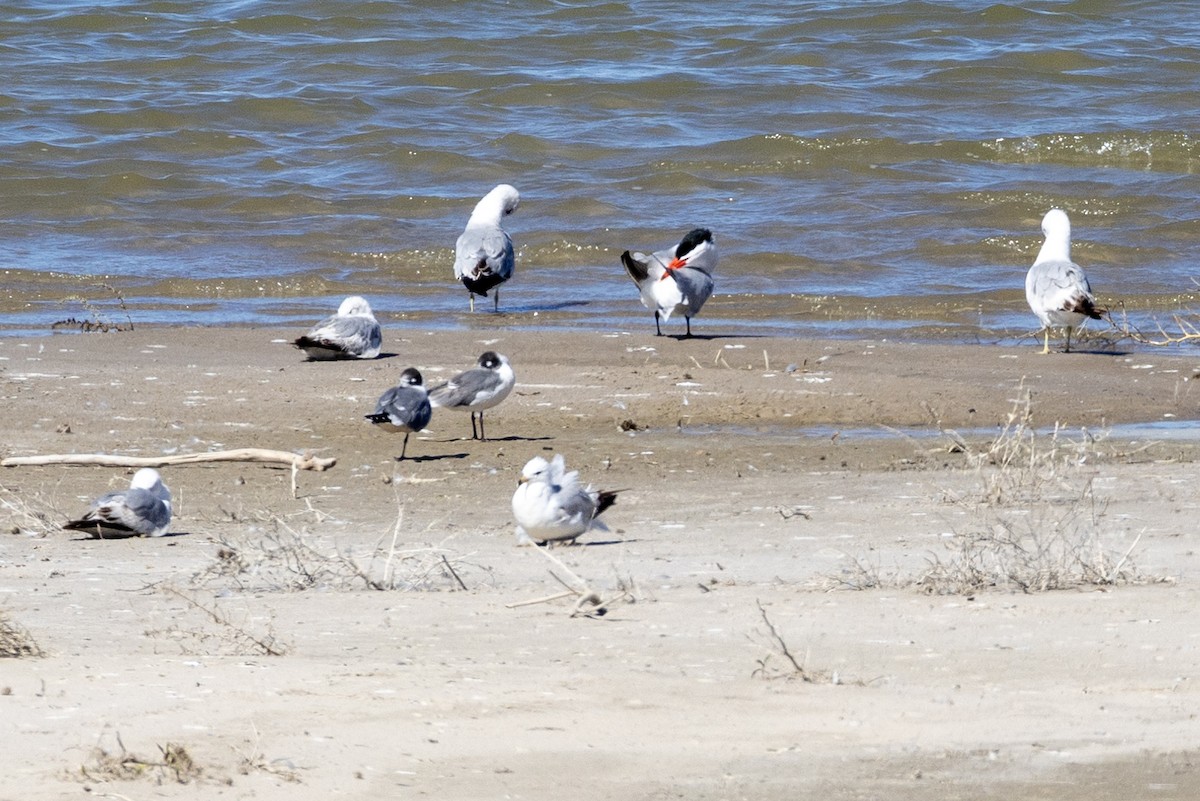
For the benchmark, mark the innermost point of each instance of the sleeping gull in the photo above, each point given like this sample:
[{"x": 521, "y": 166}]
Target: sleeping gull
[
  {"x": 352, "y": 333},
  {"x": 550, "y": 505},
  {"x": 477, "y": 389},
  {"x": 483, "y": 255},
  {"x": 143, "y": 510},
  {"x": 689, "y": 266},
  {"x": 1056, "y": 288},
  {"x": 404, "y": 407}
]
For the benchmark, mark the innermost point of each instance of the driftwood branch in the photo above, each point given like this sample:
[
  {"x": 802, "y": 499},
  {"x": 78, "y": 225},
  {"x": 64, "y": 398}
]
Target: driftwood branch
[
  {"x": 588, "y": 602},
  {"x": 294, "y": 460}
]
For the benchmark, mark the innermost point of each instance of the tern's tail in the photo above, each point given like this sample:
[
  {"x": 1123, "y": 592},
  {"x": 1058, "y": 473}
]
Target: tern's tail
[{"x": 637, "y": 265}]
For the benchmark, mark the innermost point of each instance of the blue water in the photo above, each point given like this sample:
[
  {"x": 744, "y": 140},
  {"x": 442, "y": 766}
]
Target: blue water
[{"x": 868, "y": 168}]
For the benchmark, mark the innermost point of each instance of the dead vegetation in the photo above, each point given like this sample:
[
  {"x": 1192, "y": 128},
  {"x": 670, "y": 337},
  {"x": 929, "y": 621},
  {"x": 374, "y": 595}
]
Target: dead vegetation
[
  {"x": 15, "y": 641},
  {"x": 1034, "y": 522},
  {"x": 30, "y": 516},
  {"x": 791, "y": 666},
  {"x": 220, "y": 632},
  {"x": 172, "y": 765},
  {"x": 1183, "y": 328},
  {"x": 283, "y": 559},
  {"x": 100, "y": 321}
]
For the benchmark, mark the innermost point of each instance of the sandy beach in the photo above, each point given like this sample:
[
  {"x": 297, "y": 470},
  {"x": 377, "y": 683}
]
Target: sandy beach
[{"x": 785, "y": 616}]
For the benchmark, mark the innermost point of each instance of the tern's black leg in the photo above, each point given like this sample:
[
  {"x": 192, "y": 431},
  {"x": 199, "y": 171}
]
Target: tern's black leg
[
  {"x": 404, "y": 447},
  {"x": 482, "y": 435},
  {"x": 657, "y": 327},
  {"x": 689, "y": 326}
]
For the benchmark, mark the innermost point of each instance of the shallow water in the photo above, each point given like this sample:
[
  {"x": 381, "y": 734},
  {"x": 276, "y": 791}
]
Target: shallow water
[{"x": 868, "y": 168}]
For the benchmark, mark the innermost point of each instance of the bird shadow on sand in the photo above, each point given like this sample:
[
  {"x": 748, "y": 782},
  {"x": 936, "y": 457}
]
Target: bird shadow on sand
[
  {"x": 710, "y": 337},
  {"x": 599, "y": 543},
  {"x": 431, "y": 457},
  {"x": 170, "y": 535}
]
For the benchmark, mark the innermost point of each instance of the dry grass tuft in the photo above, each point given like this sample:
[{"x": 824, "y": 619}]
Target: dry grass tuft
[
  {"x": 283, "y": 559},
  {"x": 15, "y": 641},
  {"x": 1034, "y": 523},
  {"x": 220, "y": 633},
  {"x": 173, "y": 765},
  {"x": 30, "y": 516}
]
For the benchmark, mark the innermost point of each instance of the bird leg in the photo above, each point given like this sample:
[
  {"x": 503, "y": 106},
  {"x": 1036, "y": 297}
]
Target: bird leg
[
  {"x": 496, "y": 300},
  {"x": 1046, "y": 347},
  {"x": 404, "y": 447},
  {"x": 471, "y": 296},
  {"x": 657, "y": 327},
  {"x": 689, "y": 326},
  {"x": 1068, "y": 350}
]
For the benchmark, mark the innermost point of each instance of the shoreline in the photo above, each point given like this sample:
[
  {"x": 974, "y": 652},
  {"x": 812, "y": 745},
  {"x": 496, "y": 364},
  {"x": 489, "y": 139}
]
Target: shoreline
[{"x": 733, "y": 513}]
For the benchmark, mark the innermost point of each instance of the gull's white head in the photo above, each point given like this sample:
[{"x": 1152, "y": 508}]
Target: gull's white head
[
  {"x": 496, "y": 205},
  {"x": 355, "y": 306},
  {"x": 148, "y": 479},
  {"x": 1057, "y": 225},
  {"x": 536, "y": 468}
]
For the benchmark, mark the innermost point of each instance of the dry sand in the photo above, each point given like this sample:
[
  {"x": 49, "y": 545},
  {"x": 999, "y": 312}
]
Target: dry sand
[{"x": 756, "y": 472}]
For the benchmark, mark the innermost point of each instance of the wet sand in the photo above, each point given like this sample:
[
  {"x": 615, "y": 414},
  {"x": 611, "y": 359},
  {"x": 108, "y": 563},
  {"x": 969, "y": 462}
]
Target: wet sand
[{"x": 756, "y": 473}]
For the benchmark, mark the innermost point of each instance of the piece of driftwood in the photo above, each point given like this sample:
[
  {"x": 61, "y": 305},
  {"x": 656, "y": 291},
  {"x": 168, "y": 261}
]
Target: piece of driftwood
[
  {"x": 588, "y": 602},
  {"x": 294, "y": 460}
]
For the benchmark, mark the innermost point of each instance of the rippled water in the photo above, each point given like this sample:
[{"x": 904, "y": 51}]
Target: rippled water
[{"x": 868, "y": 168}]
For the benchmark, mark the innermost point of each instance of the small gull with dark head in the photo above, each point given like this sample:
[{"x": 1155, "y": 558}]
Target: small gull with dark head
[
  {"x": 477, "y": 389},
  {"x": 404, "y": 408}
]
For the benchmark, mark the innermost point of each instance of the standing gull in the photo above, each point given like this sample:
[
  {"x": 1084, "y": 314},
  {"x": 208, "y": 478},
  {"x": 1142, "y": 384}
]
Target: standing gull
[
  {"x": 676, "y": 280},
  {"x": 483, "y": 255},
  {"x": 352, "y": 333},
  {"x": 143, "y": 510},
  {"x": 477, "y": 389},
  {"x": 1056, "y": 288},
  {"x": 550, "y": 505},
  {"x": 404, "y": 407}
]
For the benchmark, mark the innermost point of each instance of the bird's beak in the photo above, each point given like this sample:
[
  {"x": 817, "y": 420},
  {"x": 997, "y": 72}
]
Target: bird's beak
[
  {"x": 522, "y": 480},
  {"x": 674, "y": 264}
]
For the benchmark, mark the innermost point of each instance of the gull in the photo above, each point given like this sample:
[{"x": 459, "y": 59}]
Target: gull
[
  {"x": 352, "y": 333},
  {"x": 1056, "y": 288},
  {"x": 404, "y": 407},
  {"x": 143, "y": 510},
  {"x": 550, "y": 505},
  {"x": 677, "y": 280},
  {"x": 477, "y": 389},
  {"x": 483, "y": 255}
]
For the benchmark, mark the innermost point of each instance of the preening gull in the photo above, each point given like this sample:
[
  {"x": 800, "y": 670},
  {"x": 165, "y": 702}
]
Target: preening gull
[
  {"x": 477, "y": 389},
  {"x": 483, "y": 255},
  {"x": 550, "y": 505},
  {"x": 1056, "y": 288},
  {"x": 352, "y": 333},
  {"x": 143, "y": 510},
  {"x": 405, "y": 407},
  {"x": 677, "y": 280}
]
